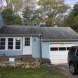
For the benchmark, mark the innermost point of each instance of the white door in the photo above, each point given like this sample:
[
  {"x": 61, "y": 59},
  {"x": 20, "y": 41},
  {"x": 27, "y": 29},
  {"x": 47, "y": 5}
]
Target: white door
[
  {"x": 59, "y": 52},
  {"x": 26, "y": 46}
]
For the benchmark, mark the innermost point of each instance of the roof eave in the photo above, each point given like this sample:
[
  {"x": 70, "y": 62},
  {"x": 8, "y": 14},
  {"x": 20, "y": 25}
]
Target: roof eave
[
  {"x": 53, "y": 40},
  {"x": 20, "y": 34}
]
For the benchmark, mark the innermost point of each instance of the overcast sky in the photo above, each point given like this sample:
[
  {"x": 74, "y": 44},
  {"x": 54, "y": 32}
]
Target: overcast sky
[{"x": 71, "y": 2}]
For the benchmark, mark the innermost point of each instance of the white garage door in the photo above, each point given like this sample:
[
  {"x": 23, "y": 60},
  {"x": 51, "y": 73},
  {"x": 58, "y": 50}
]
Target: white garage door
[{"x": 59, "y": 52}]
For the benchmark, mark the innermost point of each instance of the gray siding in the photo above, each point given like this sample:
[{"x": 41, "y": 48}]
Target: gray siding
[
  {"x": 45, "y": 49},
  {"x": 35, "y": 47}
]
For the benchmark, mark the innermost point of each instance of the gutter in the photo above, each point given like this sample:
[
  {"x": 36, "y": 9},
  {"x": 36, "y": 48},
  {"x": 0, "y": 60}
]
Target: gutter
[
  {"x": 54, "y": 40},
  {"x": 20, "y": 35}
]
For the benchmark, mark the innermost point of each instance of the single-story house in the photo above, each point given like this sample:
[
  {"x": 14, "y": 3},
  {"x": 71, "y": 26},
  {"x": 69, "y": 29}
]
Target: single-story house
[{"x": 38, "y": 42}]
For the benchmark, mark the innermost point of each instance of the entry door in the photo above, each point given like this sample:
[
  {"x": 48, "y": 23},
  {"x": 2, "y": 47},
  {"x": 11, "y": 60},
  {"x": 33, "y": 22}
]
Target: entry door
[{"x": 26, "y": 46}]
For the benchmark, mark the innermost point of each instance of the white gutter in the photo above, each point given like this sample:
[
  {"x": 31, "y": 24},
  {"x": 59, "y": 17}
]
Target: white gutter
[
  {"x": 59, "y": 39},
  {"x": 20, "y": 34}
]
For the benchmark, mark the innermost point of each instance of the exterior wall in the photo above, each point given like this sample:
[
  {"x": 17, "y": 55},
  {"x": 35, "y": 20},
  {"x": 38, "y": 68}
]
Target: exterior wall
[
  {"x": 36, "y": 47},
  {"x": 11, "y": 53},
  {"x": 45, "y": 50}
]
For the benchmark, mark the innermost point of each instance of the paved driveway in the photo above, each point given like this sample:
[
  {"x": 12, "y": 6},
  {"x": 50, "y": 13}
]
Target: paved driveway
[{"x": 64, "y": 69}]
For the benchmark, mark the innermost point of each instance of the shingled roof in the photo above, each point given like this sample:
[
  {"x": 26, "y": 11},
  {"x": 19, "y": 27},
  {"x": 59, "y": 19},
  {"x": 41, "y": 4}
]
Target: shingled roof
[
  {"x": 59, "y": 33},
  {"x": 20, "y": 30},
  {"x": 46, "y": 32}
]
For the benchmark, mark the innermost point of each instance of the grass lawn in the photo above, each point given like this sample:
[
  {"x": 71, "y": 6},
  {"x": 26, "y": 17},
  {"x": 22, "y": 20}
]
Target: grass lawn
[{"x": 29, "y": 73}]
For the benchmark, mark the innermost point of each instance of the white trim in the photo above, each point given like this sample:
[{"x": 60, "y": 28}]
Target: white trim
[
  {"x": 31, "y": 44},
  {"x": 59, "y": 43},
  {"x": 6, "y": 44},
  {"x": 59, "y": 40},
  {"x": 20, "y": 43},
  {"x": 14, "y": 43},
  {"x": 24, "y": 47},
  {"x": 62, "y": 43}
]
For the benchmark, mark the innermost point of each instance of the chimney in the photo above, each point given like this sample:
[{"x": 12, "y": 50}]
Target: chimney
[{"x": 3, "y": 4}]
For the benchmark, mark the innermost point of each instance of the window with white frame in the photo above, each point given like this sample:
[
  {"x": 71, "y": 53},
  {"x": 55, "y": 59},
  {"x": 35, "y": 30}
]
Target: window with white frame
[
  {"x": 10, "y": 43},
  {"x": 27, "y": 41},
  {"x": 2, "y": 43},
  {"x": 17, "y": 43}
]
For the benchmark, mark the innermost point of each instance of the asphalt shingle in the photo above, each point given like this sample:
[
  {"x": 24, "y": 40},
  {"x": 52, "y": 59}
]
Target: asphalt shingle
[
  {"x": 47, "y": 32},
  {"x": 59, "y": 33}
]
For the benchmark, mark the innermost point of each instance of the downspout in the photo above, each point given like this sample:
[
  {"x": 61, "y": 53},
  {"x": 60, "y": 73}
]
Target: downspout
[{"x": 40, "y": 49}]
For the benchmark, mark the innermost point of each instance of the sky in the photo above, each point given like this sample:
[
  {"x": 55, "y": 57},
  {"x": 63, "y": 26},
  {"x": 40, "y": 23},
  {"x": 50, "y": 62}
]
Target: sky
[{"x": 71, "y": 2}]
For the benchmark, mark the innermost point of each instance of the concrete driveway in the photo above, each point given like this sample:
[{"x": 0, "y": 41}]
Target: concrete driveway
[{"x": 63, "y": 69}]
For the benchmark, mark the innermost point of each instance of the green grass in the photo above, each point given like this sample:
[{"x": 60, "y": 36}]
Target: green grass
[{"x": 29, "y": 73}]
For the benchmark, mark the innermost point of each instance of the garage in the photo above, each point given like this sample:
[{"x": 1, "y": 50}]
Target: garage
[{"x": 59, "y": 52}]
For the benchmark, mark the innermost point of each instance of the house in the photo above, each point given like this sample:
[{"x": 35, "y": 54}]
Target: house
[{"x": 37, "y": 42}]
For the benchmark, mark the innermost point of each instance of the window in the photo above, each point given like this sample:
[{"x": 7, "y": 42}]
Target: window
[
  {"x": 54, "y": 49},
  {"x": 10, "y": 43},
  {"x": 27, "y": 41},
  {"x": 62, "y": 48},
  {"x": 2, "y": 43},
  {"x": 17, "y": 43}
]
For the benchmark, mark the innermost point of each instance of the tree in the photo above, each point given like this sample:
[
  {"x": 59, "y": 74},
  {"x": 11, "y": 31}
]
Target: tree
[
  {"x": 72, "y": 18},
  {"x": 10, "y": 18},
  {"x": 48, "y": 13},
  {"x": 28, "y": 12},
  {"x": 19, "y": 5},
  {"x": 16, "y": 8},
  {"x": 15, "y": 5},
  {"x": 52, "y": 11}
]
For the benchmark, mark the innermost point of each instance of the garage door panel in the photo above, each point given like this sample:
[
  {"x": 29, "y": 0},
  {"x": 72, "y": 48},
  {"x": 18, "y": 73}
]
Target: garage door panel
[
  {"x": 54, "y": 53},
  {"x": 62, "y": 61},
  {"x": 58, "y": 57},
  {"x": 63, "y": 53},
  {"x": 59, "y": 52},
  {"x": 62, "y": 57},
  {"x": 54, "y": 57},
  {"x": 54, "y": 61}
]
